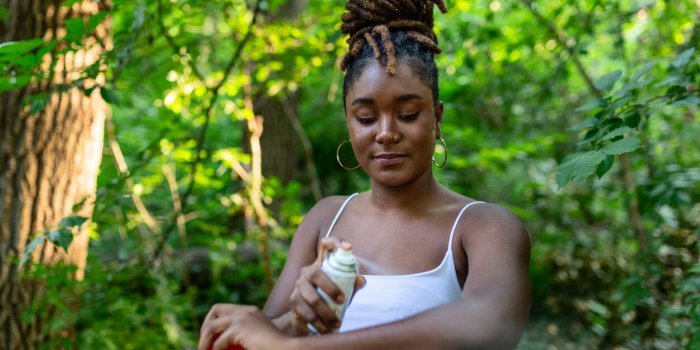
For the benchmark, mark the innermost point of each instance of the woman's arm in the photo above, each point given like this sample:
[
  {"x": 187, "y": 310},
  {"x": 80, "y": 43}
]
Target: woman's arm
[
  {"x": 492, "y": 313},
  {"x": 495, "y": 303},
  {"x": 304, "y": 251}
]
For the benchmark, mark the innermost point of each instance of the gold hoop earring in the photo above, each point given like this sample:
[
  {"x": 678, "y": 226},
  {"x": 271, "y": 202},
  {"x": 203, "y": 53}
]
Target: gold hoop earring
[
  {"x": 337, "y": 156},
  {"x": 444, "y": 145}
]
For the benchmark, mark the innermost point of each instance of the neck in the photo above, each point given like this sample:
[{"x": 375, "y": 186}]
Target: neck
[{"x": 407, "y": 197}]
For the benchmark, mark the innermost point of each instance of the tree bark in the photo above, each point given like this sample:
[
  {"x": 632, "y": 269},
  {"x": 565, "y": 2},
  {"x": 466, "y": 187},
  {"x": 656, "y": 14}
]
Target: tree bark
[
  {"x": 49, "y": 160},
  {"x": 279, "y": 142}
]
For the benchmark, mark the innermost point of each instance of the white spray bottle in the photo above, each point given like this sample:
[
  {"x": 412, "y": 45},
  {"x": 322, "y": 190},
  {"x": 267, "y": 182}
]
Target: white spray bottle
[{"x": 342, "y": 268}]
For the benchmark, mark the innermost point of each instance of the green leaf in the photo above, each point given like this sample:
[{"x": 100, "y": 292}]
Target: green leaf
[
  {"x": 690, "y": 100},
  {"x": 619, "y": 103},
  {"x": 75, "y": 28},
  {"x": 79, "y": 204},
  {"x": 695, "y": 269},
  {"x": 683, "y": 58},
  {"x": 45, "y": 49},
  {"x": 73, "y": 221},
  {"x": 109, "y": 96},
  {"x": 89, "y": 91},
  {"x": 644, "y": 70},
  {"x": 671, "y": 80},
  {"x": 591, "y": 105},
  {"x": 617, "y": 132},
  {"x": 61, "y": 237},
  {"x": 38, "y": 103},
  {"x": 29, "y": 249},
  {"x": 604, "y": 166},
  {"x": 607, "y": 82},
  {"x": 626, "y": 145},
  {"x": 70, "y": 3},
  {"x": 633, "y": 119},
  {"x": 17, "y": 48},
  {"x": 14, "y": 82},
  {"x": 578, "y": 166},
  {"x": 585, "y": 124},
  {"x": 95, "y": 20}
]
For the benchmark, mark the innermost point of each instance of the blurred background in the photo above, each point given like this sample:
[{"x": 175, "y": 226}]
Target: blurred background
[{"x": 172, "y": 147}]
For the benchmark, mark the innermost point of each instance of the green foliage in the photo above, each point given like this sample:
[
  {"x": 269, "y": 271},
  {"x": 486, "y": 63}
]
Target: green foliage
[
  {"x": 61, "y": 236},
  {"x": 525, "y": 127}
]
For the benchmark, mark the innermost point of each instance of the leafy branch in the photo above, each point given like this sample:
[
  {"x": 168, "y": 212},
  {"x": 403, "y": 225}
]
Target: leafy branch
[
  {"x": 208, "y": 114},
  {"x": 61, "y": 236},
  {"x": 613, "y": 131}
]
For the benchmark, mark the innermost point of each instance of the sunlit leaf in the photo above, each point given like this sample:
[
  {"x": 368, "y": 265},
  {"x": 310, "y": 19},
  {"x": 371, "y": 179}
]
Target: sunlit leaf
[
  {"x": 17, "y": 48},
  {"x": 14, "y": 82}
]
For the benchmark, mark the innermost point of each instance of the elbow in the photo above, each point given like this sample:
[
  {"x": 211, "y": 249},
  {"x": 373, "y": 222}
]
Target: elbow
[{"x": 497, "y": 332}]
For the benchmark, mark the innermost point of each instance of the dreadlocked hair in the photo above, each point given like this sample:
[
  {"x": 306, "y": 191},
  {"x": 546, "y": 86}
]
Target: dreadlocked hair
[{"x": 390, "y": 31}]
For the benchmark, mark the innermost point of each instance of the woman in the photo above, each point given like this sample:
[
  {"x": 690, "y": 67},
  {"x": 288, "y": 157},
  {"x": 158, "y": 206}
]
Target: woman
[{"x": 438, "y": 270}]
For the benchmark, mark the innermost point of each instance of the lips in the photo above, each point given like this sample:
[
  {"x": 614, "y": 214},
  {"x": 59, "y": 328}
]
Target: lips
[{"x": 389, "y": 158}]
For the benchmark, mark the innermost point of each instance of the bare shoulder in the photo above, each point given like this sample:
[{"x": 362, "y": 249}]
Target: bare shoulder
[
  {"x": 490, "y": 224},
  {"x": 322, "y": 213}
]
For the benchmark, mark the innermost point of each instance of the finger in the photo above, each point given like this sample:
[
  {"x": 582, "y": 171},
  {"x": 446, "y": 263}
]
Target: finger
[
  {"x": 359, "y": 282},
  {"x": 228, "y": 337},
  {"x": 307, "y": 315},
  {"x": 331, "y": 243},
  {"x": 319, "y": 306},
  {"x": 219, "y": 310},
  {"x": 321, "y": 280},
  {"x": 209, "y": 333},
  {"x": 299, "y": 324}
]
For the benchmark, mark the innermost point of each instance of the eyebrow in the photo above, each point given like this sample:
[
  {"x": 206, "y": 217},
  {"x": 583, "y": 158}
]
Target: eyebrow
[{"x": 369, "y": 101}]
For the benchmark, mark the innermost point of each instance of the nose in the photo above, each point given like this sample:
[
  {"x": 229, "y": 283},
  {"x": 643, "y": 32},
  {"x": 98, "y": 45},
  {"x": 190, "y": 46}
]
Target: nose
[{"x": 387, "y": 132}]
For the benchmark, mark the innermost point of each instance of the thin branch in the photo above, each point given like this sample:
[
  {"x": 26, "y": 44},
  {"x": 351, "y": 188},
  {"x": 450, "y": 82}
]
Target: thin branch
[
  {"x": 203, "y": 132},
  {"x": 255, "y": 129},
  {"x": 173, "y": 45},
  {"x": 169, "y": 172},
  {"x": 561, "y": 39},
  {"x": 124, "y": 171}
]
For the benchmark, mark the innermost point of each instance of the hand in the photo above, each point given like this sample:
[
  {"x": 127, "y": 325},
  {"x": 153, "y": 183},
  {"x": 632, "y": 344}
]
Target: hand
[
  {"x": 307, "y": 305},
  {"x": 227, "y": 325}
]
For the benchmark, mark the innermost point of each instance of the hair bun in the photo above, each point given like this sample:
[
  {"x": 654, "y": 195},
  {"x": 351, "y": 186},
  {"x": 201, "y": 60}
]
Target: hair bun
[{"x": 369, "y": 17}]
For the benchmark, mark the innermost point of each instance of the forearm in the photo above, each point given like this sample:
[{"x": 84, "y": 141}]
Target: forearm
[{"x": 463, "y": 325}]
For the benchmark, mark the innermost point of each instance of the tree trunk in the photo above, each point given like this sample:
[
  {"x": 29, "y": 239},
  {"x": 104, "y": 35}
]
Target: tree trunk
[
  {"x": 279, "y": 142},
  {"x": 48, "y": 160}
]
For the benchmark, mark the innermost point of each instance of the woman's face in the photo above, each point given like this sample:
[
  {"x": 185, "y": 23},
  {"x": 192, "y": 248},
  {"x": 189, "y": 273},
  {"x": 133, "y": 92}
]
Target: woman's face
[{"x": 393, "y": 124}]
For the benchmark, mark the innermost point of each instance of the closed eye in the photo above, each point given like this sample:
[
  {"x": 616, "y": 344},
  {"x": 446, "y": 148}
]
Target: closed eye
[
  {"x": 409, "y": 117},
  {"x": 365, "y": 120}
]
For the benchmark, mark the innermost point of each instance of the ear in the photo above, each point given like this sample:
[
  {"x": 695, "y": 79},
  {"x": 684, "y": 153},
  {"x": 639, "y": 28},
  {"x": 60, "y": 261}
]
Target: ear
[{"x": 439, "y": 108}]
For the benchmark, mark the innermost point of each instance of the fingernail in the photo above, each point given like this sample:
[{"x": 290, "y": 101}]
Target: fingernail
[
  {"x": 337, "y": 324},
  {"x": 340, "y": 298}
]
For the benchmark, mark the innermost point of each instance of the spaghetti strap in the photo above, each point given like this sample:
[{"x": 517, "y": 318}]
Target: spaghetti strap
[
  {"x": 454, "y": 226},
  {"x": 340, "y": 211}
]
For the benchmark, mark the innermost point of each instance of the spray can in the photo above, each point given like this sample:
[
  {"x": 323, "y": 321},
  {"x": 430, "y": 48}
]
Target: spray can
[{"x": 342, "y": 268}]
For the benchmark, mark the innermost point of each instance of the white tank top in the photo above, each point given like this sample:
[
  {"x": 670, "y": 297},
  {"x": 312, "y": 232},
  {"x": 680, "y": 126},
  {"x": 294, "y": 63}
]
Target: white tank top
[{"x": 389, "y": 298}]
